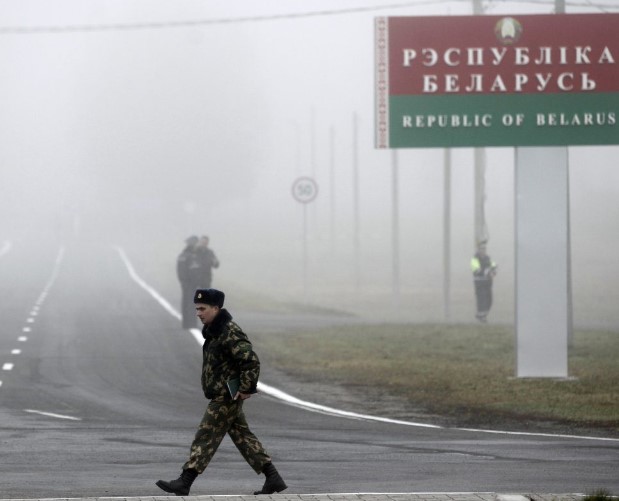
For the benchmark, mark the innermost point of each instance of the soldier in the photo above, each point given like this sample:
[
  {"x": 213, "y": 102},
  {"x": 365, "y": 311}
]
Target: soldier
[
  {"x": 207, "y": 261},
  {"x": 187, "y": 267},
  {"x": 484, "y": 271},
  {"x": 228, "y": 356}
]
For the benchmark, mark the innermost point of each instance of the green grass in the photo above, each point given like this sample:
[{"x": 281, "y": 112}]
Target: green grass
[
  {"x": 462, "y": 372},
  {"x": 599, "y": 495}
]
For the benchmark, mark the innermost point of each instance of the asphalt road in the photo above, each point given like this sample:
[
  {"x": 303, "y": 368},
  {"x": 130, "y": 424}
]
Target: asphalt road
[{"x": 100, "y": 397}]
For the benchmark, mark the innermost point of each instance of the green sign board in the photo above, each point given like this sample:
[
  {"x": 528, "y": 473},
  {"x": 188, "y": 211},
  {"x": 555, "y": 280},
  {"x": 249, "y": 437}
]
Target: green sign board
[{"x": 534, "y": 80}]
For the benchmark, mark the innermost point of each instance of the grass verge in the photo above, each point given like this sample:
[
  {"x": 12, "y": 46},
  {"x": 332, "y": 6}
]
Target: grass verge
[
  {"x": 599, "y": 495},
  {"x": 464, "y": 373}
]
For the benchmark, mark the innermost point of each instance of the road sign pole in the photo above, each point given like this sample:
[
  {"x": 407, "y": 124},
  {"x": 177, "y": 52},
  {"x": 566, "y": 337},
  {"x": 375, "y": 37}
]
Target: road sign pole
[
  {"x": 304, "y": 190},
  {"x": 305, "y": 252}
]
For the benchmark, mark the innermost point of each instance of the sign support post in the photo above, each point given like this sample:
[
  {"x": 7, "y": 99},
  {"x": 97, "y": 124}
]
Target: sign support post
[
  {"x": 541, "y": 219},
  {"x": 304, "y": 190},
  {"x": 539, "y": 83}
]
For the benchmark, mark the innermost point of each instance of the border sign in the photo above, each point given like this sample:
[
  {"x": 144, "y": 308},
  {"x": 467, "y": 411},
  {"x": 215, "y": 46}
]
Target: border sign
[{"x": 531, "y": 80}]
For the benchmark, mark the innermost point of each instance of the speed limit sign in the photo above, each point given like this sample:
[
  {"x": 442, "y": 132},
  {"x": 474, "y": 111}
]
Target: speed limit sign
[{"x": 304, "y": 190}]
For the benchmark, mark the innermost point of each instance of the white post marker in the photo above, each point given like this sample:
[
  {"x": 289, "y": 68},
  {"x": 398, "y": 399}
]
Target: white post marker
[{"x": 542, "y": 271}]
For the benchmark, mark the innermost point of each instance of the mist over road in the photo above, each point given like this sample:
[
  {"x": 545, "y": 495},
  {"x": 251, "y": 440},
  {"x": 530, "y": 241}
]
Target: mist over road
[{"x": 103, "y": 398}]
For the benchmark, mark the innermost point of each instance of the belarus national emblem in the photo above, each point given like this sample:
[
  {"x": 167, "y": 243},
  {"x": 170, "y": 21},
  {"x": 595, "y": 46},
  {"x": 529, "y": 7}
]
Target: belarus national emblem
[{"x": 508, "y": 30}]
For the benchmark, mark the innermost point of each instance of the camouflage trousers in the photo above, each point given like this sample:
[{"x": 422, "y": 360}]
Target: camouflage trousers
[{"x": 225, "y": 416}]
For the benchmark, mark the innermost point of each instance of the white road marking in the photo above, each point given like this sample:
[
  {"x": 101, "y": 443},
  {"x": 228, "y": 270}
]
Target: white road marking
[
  {"x": 51, "y": 414},
  {"x": 296, "y": 402},
  {"x": 52, "y": 278},
  {"x": 303, "y": 404},
  {"x": 197, "y": 334},
  {"x": 322, "y": 409},
  {"x": 9, "y": 366},
  {"x": 163, "y": 302}
]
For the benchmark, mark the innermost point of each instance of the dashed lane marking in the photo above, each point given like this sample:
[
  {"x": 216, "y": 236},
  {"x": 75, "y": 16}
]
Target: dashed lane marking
[{"x": 8, "y": 366}]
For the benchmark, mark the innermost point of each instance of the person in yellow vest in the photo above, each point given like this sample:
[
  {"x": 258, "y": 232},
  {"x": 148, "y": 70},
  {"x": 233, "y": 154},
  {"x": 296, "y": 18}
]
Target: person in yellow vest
[{"x": 484, "y": 271}]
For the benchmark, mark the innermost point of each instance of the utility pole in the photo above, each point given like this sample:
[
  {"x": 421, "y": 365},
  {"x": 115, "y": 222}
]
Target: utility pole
[
  {"x": 332, "y": 188},
  {"x": 355, "y": 184},
  {"x": 559, "y": 6},
  {"x": 395, "y": 229},
  {"x": 560, "y": 9},
  {"x": 481, "y": 231},
  {"x": 447, "y": 233}
]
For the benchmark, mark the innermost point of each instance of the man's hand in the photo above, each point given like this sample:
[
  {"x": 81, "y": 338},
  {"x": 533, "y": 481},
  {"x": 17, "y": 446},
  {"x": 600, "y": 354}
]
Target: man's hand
[{"x": 242, "y": 396}]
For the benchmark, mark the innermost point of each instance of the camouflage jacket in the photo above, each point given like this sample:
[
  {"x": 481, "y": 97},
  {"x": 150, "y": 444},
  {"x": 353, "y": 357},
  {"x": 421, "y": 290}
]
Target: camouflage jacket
[{"x": 227, "y": 354}]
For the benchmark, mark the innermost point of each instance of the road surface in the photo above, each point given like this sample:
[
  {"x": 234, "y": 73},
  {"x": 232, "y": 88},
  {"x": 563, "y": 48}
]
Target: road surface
[{"x": 100, "y": 396}]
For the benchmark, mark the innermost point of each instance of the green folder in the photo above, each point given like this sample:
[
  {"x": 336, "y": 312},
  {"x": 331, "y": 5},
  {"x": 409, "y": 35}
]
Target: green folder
[{"x": 233, "y": 386}]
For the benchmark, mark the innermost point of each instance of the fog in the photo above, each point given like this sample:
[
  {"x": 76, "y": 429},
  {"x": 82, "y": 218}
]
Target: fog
[{"x": 142, "y": 122}]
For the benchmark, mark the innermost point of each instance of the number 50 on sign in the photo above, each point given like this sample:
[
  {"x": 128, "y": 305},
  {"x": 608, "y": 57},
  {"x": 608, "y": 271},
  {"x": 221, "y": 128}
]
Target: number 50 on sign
[{"x": 304, "y": 190}]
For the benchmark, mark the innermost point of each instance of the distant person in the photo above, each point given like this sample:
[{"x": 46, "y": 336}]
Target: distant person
[
  {"x": 187, "y": 266},
  {"x": 206, "y": 261},
  {"x": 228, "y": 356},
  {"x": 484, "y": 271}
]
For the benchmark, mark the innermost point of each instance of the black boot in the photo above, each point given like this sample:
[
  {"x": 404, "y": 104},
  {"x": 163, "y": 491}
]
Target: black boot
[
  {"x": 181, "y": 485},
  {"x": 273, "y": 482}
]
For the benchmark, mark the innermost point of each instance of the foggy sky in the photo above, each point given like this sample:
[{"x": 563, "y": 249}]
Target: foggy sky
[{"x": 169, "y": 130}]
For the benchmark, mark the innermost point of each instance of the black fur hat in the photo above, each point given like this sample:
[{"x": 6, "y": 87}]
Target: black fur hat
[{"x": 209, "y": 296}]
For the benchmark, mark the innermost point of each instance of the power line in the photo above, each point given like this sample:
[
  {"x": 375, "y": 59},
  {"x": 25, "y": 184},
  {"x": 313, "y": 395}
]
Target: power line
[
  {"x": 27, "y": 30},
  {"x": 87, "y": 28},
  {"x": 602, "y": 7}
]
